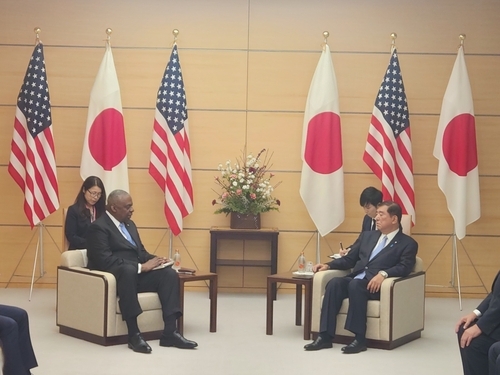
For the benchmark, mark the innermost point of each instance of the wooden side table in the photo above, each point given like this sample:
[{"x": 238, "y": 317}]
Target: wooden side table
[
  {"x": 226, "y": 233},
  {"x": 299, "y": 282},
  {"x": 212, "y": 292}
]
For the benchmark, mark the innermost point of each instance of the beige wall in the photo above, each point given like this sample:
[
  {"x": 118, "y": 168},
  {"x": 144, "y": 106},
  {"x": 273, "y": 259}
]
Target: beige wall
[{"x": 247, "y": 66}]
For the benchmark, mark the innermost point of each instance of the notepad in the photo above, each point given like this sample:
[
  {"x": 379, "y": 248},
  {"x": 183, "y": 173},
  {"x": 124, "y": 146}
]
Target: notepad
[{"x": 166, "y": 264}]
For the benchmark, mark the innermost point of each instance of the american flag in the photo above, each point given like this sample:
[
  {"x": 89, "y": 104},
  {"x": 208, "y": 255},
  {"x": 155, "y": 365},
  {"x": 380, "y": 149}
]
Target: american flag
[
  {"x": 32, "y": 162},
  {"x": 170, "y": 163},
  {"x": 388, "y": 147}
]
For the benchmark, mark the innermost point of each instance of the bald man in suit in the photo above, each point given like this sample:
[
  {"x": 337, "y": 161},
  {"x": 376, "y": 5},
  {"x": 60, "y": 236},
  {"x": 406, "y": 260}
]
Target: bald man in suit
[
  {"x": 114, "y": 245},
  {"x": 376, "y": 255}
]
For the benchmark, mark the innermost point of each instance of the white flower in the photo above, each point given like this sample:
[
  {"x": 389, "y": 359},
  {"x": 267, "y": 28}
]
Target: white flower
[{"x": 235, "y": 183}]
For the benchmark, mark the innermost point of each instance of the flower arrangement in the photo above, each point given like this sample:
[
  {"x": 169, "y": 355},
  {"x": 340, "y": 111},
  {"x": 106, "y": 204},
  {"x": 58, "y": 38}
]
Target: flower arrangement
[{"x": 246, "y": 186}]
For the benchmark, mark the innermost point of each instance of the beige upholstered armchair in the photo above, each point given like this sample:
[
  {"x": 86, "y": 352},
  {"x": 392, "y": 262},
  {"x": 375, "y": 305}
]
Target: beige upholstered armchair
[
  {"x": 394, "y": 320},
  {"x": 87, "y": 304}
]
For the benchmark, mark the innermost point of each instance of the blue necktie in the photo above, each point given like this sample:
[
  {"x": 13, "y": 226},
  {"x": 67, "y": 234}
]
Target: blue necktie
[
  {"x": 124, "y": 230},
  {"x": 375, "y": 251}
]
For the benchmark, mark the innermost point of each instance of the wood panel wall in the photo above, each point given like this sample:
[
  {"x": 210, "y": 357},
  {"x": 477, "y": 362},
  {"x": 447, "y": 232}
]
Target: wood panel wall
[{"x": 247, "y": 66}]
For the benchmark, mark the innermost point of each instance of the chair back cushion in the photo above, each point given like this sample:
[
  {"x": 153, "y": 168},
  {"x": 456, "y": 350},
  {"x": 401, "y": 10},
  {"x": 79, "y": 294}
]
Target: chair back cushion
[{"x": 74, "y": 258}]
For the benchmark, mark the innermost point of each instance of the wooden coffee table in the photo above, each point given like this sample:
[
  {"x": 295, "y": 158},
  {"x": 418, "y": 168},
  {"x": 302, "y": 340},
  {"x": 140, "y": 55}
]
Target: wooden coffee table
[
  {"x": 212, "y": 293},
  {"x": 299, "y": 282}
]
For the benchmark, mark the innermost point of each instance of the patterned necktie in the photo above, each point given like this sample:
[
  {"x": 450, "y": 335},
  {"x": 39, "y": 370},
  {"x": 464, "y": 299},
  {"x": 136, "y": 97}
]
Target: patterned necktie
[
  {"x": 375, "y": 251},
  {"x": 124, "y": 230}
]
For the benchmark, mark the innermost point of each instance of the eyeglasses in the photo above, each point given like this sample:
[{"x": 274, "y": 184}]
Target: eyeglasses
[{"x": 94, "y": 194}]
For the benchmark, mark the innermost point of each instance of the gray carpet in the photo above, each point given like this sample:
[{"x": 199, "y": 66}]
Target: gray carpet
[{"x": 240, "y": 345}]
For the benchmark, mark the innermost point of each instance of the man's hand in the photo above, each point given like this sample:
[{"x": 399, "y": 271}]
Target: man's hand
[
  {"x": 320, "y": 267},
  {"x": 469, "y": 334},
  {"x": 153, "y": 263},
  {"x": 375, "y": 283},
  {"x": 465, "y": 321}
]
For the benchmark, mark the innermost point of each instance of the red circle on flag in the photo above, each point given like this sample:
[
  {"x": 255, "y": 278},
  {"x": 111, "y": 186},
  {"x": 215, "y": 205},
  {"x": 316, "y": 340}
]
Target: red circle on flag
[
  {"x": 323, "y": 149},
  {"x": 459, "y": 144},
  {"x": 107, "y": 139}
]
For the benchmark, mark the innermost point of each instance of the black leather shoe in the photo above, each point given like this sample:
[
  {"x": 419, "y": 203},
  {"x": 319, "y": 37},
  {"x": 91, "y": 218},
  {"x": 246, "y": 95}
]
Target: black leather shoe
[
  {"x": 354, "y": 347},
  {"x": 319, "y": 343},
  {"x": 177, "y": 340},
  {"x": 138, "y": 344}
]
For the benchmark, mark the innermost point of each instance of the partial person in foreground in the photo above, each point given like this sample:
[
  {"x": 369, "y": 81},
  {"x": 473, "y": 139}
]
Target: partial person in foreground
[
  {"x": 19, "y": 356},
  {"x": 494, "y": 359},
  {"x": 375, "y": 256},
  {"x": 114, "y": 245},
  {"x": 90, "y": 204},
  {"x": 478, "y": 331},
  {"x": 369, "y": 200}
]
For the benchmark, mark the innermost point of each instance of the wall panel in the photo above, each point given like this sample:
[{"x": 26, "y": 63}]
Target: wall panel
[{"x": 247, "y": 66}]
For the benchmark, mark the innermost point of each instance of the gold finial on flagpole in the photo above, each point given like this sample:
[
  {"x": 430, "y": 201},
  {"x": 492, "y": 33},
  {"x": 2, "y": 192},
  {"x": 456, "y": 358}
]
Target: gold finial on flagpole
[
  {"x": 326, "y": 34},
  {"x": 462, "y": 38},
  {"x": 175, "y": 32},
  {"x": 393, "y": 42},
  {"x": 37, "y": 32},
  {"x": 108, "y": 38}
]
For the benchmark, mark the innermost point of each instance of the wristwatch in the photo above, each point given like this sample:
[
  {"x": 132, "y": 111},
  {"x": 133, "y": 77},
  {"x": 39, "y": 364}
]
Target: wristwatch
[{"x": 384, "y": 274}]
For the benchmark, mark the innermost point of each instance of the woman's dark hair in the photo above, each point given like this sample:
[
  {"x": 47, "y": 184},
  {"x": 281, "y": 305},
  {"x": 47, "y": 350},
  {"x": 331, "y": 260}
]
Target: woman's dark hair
[{"x": 100, "y": 205}]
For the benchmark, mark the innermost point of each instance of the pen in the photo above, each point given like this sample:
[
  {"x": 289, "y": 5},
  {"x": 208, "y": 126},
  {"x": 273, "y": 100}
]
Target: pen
[{"x": 341, "y": 247}]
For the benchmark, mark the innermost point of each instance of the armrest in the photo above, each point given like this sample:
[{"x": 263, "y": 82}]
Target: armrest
[
  {"x": 86, "y": 300},
  {"x": 319, "y": 284},
  {"x": 402, "y": 305}
]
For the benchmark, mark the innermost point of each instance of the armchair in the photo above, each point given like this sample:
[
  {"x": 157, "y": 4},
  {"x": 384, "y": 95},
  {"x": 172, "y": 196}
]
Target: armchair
[
  {"x": 397, "y": 318},
  {"x": 87, "y": 304}
]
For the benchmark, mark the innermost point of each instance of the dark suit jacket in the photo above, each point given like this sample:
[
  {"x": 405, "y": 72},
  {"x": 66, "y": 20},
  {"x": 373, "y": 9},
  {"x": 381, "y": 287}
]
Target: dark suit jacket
[
  {"x": 397, "y": 258},
  {"x": 108, "y": 248},
  {"x": 366, "y": 226},
  {"x": 489, "y": 322},
  {"x": 75, "y": 228}
]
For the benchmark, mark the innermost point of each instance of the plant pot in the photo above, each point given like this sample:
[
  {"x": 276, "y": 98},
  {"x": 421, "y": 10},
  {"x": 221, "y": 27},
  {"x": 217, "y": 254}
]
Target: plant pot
[{"x": 244, "y": 221}]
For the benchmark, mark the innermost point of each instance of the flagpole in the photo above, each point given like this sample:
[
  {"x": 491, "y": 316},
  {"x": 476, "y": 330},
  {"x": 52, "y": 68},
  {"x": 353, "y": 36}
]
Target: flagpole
[
  {"x": 455, "y": 271},
  {"x": 170, "y": 243},
  {"x": 318, "y": 250},
  {"x": 39, "y": 244}
]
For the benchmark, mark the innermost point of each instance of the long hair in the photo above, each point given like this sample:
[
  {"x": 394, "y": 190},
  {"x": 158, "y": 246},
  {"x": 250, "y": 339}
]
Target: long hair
[{"x": 81, "y": 202}]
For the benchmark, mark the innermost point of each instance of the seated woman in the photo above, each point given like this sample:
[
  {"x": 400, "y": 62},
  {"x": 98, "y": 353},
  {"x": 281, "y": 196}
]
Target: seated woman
[
  {"x": 16, "y": 342},
  {"x": 90, "y": 203}
]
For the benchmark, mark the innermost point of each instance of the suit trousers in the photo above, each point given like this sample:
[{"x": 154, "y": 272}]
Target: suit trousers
[
  {"x": 163, "y": 281},
  {"x": 336, "y": 291},
  {"x": 475, "y": 356},
  {"x": 16, "y": 341},
  {"x": 494, "y": 359}
]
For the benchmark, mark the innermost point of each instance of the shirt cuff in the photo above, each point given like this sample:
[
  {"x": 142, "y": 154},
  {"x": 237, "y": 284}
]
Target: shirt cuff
[
  {"x": 477, "y": 312},
  {"x": 139, "y": 268}
]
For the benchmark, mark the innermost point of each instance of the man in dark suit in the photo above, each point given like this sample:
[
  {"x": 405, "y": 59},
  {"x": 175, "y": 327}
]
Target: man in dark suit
[
  {"x": 376, "y": 255},
  {"x": 114, "y": 245},
  {"x": 15, "y": 341},
  {"x": 494, "y": 358},
  {"x": 478, "y": 331},
  {"x": 369, "y": 200}
]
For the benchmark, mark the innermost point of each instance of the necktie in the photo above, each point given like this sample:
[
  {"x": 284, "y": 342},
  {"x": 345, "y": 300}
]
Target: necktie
[
  {"x": 374, "y": 225},
  {"x": 375, "y": 251},
  {"x": 124, "y": 230}
]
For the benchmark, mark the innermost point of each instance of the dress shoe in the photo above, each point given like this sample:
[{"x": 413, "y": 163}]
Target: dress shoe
[
  {"x": 319, "y": 343},
  {"x": 177, "y": 340},
  {"x": 354, "y": 347},
  {"x": 138, "y": 344}
]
